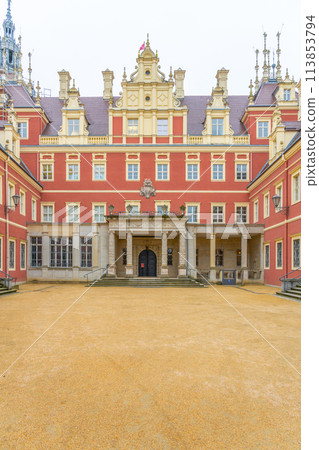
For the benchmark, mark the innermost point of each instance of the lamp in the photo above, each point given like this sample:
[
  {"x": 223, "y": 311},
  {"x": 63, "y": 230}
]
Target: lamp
[
  {"x": 129, "y": 208},
  {"x": 16, "y": 200},
  {"x": 111, "y": 209},
  {"x": 164, "y": 209},
  {"x": 283, "y": 209}
]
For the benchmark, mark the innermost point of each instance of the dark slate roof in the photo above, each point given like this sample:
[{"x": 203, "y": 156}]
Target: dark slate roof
[
  {"x": 266, "y": 166},
  {"x": 293, "y": 125},
  {"x": 22, "y": 165},
  {"x": 21, "y": 97},
  {"x": 237, "y": 104},
  {"x": 265, "y": 94}
]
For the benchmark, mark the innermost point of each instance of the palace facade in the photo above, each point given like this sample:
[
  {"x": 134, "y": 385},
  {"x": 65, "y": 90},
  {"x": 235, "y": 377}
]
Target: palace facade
[{"x": 153, "y": 182}]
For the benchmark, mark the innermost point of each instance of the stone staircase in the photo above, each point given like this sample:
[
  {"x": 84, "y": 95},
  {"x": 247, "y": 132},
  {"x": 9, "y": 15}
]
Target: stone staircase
[
  {"x": 293, "y": 293},
  {"x": 147, "y": 282},
  {"x": 5, "y": 290}
]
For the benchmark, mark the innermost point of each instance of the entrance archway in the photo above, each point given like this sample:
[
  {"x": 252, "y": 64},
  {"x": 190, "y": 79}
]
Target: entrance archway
[{"x": 147, "y": 264}]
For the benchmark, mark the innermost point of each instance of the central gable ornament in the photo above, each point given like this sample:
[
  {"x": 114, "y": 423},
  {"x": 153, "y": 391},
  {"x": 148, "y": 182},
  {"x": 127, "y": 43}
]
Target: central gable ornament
[{"x": 147, "y": 190}]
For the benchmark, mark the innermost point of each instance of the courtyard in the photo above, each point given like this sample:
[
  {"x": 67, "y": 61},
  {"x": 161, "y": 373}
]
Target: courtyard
[{"x": 168, "y": 368}]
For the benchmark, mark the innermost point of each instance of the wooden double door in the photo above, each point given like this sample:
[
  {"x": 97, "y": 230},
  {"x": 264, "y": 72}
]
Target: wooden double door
[{"x": 147, "y": 264}]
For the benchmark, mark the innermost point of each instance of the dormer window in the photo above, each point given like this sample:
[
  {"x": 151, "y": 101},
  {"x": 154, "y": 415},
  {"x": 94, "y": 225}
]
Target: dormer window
[
  {"x": 287, "y": 95},
  {"x": 217, "y": 127},
  {"x": 263, "y": 131},
  {"x": 73, "y": 127}
]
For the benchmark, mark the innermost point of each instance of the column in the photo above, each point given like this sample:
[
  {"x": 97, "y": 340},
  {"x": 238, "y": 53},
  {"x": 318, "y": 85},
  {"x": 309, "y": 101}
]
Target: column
[
  {"x": 192, "y": 269},
  {"x": 212, "y": 269},
  {"x": 129, "y": 254},
  {"x": 164, "y": 268},
  {"x": 261, "y": 264},
  {"x": 170, "y": 127},
  {"x": 182, "y": 255},
  {"x": 75, "y": 252},
  {"x": 244, "y": 258},
  {"x": 111, "y": 255},
  {"x": 102, "y": 246},
  {"x": 45, "y": 254}
]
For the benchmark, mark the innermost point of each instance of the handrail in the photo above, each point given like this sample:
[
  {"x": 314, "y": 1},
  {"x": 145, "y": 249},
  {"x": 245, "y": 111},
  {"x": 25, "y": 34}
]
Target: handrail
[
  {"x": 286, "y": 275},
  {"x": 9, "y": 280},
  {"x": 96, "y": 270}
]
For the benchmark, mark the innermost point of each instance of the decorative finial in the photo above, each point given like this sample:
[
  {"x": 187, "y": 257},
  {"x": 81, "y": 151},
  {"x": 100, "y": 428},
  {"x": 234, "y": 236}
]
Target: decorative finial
[
  {"x": 268, "y": 68},
  {"x": 251, "y": 95},
  {"x": 20, "y": 77},
  {"x": 111, "y": 102},
  {"x": 148, "y": 40},
  {"x": 124, "y": 74},
  {"x": 265, "y": 66},
  {"x": 273, "y": 65},
  {"x": 38, "y": 98},
  {"x": 74, "y": 83},
  {"x": 171, "y": 74},
  {"x": 29, "y": 85},
  {"x": 257, "y": 69},
  {"x": 278, "y": 67},
  {"x": 287, "y": 75}
]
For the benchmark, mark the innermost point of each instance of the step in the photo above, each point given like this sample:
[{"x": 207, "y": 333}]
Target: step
[
  {"x": 289, "y": 294},
  {"x": 8, "y": 291}
]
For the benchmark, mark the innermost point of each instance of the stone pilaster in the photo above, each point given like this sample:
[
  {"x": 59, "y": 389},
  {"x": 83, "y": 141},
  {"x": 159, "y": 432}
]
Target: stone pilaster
[
  {"x": 164, "y": 268},
  {"x": 129, "y": 254},
  {"x": 244, "y": 258},
  {"x": 76, "y": 254},
  {"x": 45, "y": 254},
  {"x": 182, "y": 255},
  {"x": 212, "y": 269},
  {"x": 111, "y": 255},
  {"x": 261, "y": 264}
]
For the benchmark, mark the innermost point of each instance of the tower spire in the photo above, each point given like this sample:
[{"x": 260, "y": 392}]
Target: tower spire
[
  {"x": 257, "y": 70},
  {"x": 29, "y": 85},
  {"x": 265, "y": 66},
  {"x": 278, "y": 67}
]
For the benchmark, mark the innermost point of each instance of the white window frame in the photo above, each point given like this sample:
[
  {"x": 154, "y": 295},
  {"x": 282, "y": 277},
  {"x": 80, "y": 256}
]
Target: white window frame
[
  {"x": 218, "y": 205},
  {"x": 45, "y": 163},
  {"x": 160, "y": 163},
  {"x": 161, "y": 203},
  {"x": 24, "y": 244},
  {"x": 287, "y": 95},
  {"x": 266, "y": 204},
  {"x": 136, "y": 206},
  {"x": 43, "y": 205},
  {"x": 280, "y": 241},
  {"x": 68, "y": 165},
  {"x": 197, "y": 171},
  {"x": 94, "y": 166},
  {"x": 293, "y": 239},
  {"x": 25, "y": 128},
  {"x": 11, "y": 192},
  {"x": 266, "y": 245},
  {"x": 242, "y": 205},
  {"x": 256, "y": 211},
  {"x": 132, "y": 127},
  {"x": 100, "y": 205},
  {"x": 263, "y": 121},
  {"x": 132, "y": 163},
  {"x": 73, "y": 127},
  {"x": 12, "y": 268},
  {"x": 295, "y": 199},
  {"x": 74, "y": 216},
  {"x": 279, "y": 191},
  {"x": 217, "y": 163},
  {"x": 162, "y": 127},
  {"x": 22, "y": 203},
  {"x": 193, "y": 205},
  {"x": 34, "y": 205},
  {"x": 218, "y": 126},
  {"x": 240, "y": 172}
]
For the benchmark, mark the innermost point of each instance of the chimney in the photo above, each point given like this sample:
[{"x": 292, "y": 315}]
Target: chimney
[
  {"x": 179, "y": 76},
  {"x": 108, "y": 78},
  {"x": 65, "y": 78},
  {"x": 221, "y": 77}
]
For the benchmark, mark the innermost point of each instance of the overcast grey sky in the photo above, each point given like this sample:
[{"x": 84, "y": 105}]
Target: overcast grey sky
[{"x": 86, "y": 37}]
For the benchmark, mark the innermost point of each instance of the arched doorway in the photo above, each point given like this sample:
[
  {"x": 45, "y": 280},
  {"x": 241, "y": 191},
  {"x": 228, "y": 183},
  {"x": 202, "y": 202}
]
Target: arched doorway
[{"x": 147, "y": 264}]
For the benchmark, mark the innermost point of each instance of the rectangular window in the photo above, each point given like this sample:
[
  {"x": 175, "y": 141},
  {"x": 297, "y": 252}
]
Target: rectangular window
[
  {"x": 241, "y": 214},
  {"x": 267, "y": 256},
  {"x": 99, "y": 171},
  {"x": 218, "y": 171},
  {"x": 99, "y": 213},
  {"x": 22, "y": 202},
  {"x": 34, "y": 209},
  {"x": 61, "y": 252},
  {"x": 11, "y": 194},
  {"x": 46, "y": 172},
  {"x": 124, "y": 257},
  {"x": 47, "y": 213},
  {"x": 238, "y": 258},
  {"x": 279, "y": 193},
  {"x": 73, "y": 172},
  {"x": 73, "y": 213},
  {"x": 219, "y": 259},
  {"x": 169, "y": 256},
  {"x": 36, "y": 251},
  {"x": 263, "y": 131},
  {"x": 256, "y": 211},
  {"x": 132, "y": 127},
  {"x": 22, "y": 255},
  {"x": 23, "y": 129},
  {"x": 296, "y": 253},
  {"x": 296, "y": 188},
  {"x": 73, "y": 127},
  {"x": 86, "y": 252},
  {"x": 162, "y": 171},
  {"x": 279, "y": 255},
  {"x": 218, "y": 214},
  {"x": 192, "y": 212},
  {"x": 217, "y": 127},
  {"x": 161, "y": 210},
  {"x": 132, "y": 172},
  {"x": 12, "y": 246},
  {"x": 192, "y": 171},
  {"x": 241, "y": 171},
  {"x": 134, "y": 210},
  {"x": 266, "y": 205},
  {"x": 286, "y": 95},
  {"x": 162, "y": 127}
]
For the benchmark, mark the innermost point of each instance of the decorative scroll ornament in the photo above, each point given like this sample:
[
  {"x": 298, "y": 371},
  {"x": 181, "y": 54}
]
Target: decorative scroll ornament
[{"x": 148, "y": 189}]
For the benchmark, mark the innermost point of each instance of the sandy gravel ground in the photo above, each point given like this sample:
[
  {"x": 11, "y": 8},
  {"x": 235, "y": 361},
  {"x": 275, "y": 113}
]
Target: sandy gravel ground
[{"x": 168, "y": 368}]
